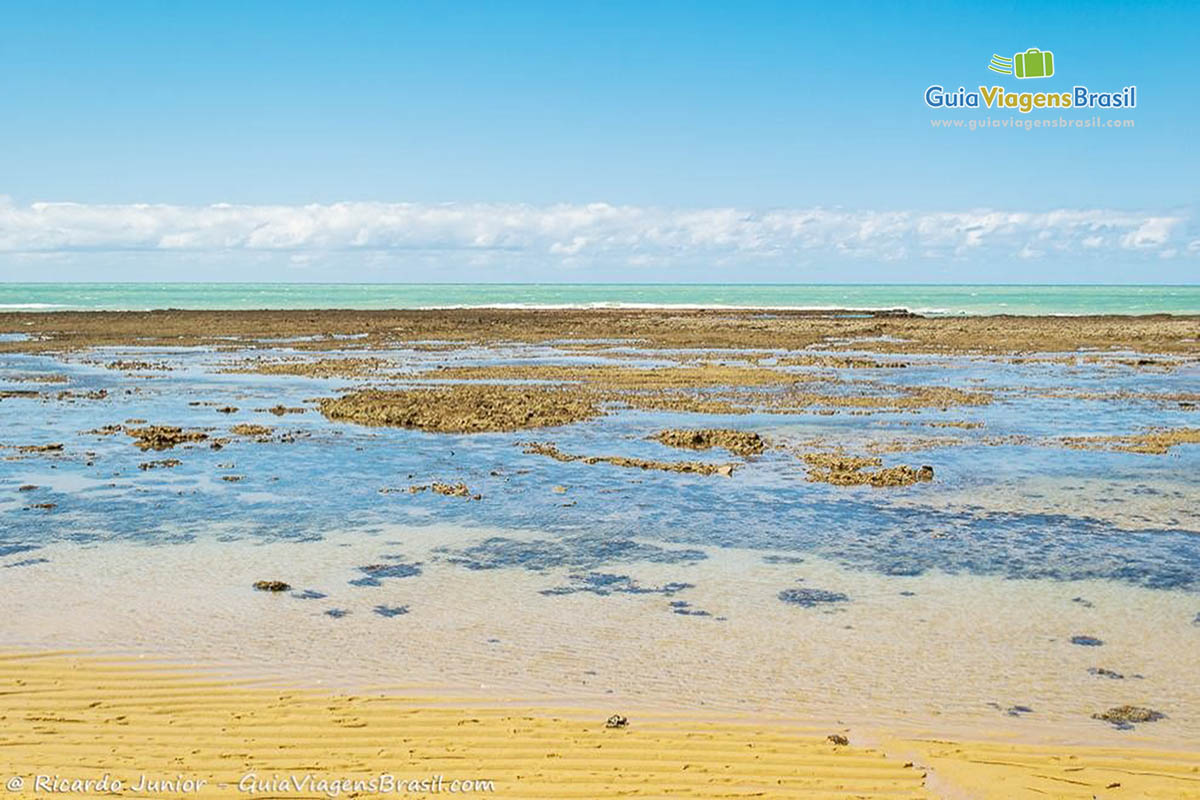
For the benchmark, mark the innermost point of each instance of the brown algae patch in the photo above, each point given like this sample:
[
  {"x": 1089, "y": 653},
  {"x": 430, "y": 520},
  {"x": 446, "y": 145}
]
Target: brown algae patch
[
  {"x": 843, "y": 470},
  {"x": 1126, "y": 715},
  {"x": 163, "y": 437},
  {"x": 448, "y": 489},
  {"x": 740, "y": 443},
  {"x": 690, "y": 467},
  {"x": 252, "y": 430},
  {"x": 1158, "y": 441},
  {"x": 281, "y": 409},
  {"x": 53, "y": 447},
  {"x": 463, "y": 408}
]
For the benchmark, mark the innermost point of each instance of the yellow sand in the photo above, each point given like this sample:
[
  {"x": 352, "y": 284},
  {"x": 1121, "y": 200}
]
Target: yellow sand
[{"x": 78, "y": 718}]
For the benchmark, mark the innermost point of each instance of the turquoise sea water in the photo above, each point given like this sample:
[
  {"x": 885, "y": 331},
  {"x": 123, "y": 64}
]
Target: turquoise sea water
[{"x": 925, "y": 299}]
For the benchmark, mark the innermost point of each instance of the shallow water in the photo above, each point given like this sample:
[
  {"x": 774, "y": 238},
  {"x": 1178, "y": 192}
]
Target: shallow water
[{"x": 667, "y": 586}]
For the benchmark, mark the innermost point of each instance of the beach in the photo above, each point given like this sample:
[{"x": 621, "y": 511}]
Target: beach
[{"x": 795, "y": 552}]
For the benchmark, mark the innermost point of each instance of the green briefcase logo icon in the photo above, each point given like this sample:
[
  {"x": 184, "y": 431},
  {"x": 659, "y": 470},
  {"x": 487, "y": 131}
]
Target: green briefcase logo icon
[{"x": 1033, "y": 63}]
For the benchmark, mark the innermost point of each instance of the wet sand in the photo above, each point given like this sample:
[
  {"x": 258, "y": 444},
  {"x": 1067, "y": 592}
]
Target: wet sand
[
  {"x": 697, "y": 631},
  {"x": 72, "y": 718}
]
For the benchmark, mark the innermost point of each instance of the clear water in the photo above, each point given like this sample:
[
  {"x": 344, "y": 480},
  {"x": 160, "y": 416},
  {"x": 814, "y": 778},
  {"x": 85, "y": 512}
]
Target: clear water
[
  {"x": 1069, "y": 514},
  {"x": 627, "y": 588},
  {"x": 925, "y": 299}
]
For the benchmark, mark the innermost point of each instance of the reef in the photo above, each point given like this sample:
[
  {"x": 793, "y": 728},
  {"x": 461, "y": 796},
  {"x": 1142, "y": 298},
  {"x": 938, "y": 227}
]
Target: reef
[
  {"x": 163, "y": 437},
  {"x": 1125, "y": 716},
  {"x": 693, "y": 467},
  {"x": 843, "y": 470},
  {"x": 447, "y": 489},
  {"x": 739, "y": 443},
  {"x": 251, "y": 430},
  {"x": 1154, "y": 442},
  {"x": 320, "y": 368},
  {"x": 463, "y": 408}
]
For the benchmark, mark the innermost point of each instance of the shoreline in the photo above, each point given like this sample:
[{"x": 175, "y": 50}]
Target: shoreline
[
  {"x": 225, "y": 738},
  {"x": 825, "y": 662}
]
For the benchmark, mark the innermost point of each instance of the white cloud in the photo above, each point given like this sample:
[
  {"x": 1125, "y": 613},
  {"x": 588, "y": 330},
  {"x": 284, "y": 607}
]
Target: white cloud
[{"x": 577, "y": 233}]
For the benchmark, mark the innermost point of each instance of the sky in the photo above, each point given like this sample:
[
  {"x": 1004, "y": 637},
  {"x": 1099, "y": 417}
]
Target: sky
[{"x": 615, "y": 141}]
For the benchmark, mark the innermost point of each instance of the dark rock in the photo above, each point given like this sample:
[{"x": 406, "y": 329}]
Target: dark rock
[
  {"x": 1124, "y": 716},
  {"x": 616, "y": 721},
  {"x": 163, "y": 463},
  {"x": 837, "y": 739},
  {"x": 390, "y": 611},
  {"x": 1086, "y": 641},
  {"x": 271, "y": 586},
  {"x": 1105, "y": 673},
  {"x": 336, "y": 613},
  {"x": 685, "y": 608}
]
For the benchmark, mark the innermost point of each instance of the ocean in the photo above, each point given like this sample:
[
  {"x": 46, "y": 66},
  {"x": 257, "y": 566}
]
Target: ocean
[{"x": 923, "y": 299}]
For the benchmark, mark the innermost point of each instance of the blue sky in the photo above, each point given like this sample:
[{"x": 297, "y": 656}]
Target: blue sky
[{"x": 515, "y": 110}]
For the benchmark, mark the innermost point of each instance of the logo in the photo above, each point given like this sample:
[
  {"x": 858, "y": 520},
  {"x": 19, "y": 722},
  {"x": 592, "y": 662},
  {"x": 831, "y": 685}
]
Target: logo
[{"x": 1033, "y": 63}]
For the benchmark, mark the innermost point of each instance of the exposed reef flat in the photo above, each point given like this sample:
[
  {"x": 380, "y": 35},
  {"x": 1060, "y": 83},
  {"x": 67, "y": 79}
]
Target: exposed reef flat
[
  {"x": 843, "y": 470},
  {"x": 697, "y": 467},
  {"x": 462, "y": 408},
  {"x": 1154, "y": 442},
  {"x": 740, "y": 443},
  {"x": 887, "y": 332}
]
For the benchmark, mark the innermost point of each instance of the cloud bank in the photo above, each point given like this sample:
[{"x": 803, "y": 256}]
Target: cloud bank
[
  {"x": 589, "y": 242},
  {"x": 583, "y": 231}
]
